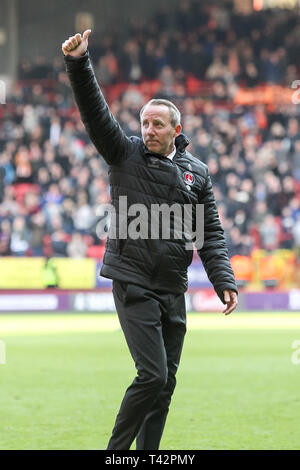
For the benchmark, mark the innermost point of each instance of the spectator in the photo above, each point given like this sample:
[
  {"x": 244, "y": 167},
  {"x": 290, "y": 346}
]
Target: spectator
[
  {"x": 107, "y": 70},
  {"x": 77, "y": 247},
  {"x": 58, "y": 237},
  {"x": 5, "y": 237},
  {"x": 5, "y": 162},
  {"x": 83, "y": 214},
  {"x": 19, "y": 237},
  {"x": 37, "y": 226},
  {"x": 269, "y": 233},
  {"x": 253, "y": 152},
  {"x": 234, "y": 242},
  {"x": 67, "y": 215},
  {"x": 23, "y": 165}
]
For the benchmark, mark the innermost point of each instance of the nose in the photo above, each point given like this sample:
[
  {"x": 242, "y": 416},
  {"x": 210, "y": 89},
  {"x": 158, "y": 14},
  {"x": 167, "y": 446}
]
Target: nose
[{"x": 150, "y": 130}]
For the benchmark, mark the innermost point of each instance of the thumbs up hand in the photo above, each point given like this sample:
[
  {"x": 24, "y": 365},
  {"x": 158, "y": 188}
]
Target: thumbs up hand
[{"x": 76, "y": 45}]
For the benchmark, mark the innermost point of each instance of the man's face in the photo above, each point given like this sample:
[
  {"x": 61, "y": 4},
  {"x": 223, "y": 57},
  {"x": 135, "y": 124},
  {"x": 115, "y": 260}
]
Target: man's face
[{"x": 157, "y": 131}]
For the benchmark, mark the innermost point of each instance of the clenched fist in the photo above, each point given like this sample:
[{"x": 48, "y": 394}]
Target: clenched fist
[{"x": 76, "y": 45}]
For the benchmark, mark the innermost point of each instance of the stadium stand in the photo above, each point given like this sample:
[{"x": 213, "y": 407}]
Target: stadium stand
[{"x": 231, "y": 77}]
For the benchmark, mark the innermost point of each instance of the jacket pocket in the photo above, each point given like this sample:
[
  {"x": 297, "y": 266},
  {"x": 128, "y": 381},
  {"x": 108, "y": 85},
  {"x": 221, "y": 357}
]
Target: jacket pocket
[{"x": 134, "y": 293}]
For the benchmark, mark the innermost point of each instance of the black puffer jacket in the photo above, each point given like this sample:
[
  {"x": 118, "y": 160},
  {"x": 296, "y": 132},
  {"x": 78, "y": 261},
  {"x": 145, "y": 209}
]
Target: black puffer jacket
[{"x": 148, "y": 178}]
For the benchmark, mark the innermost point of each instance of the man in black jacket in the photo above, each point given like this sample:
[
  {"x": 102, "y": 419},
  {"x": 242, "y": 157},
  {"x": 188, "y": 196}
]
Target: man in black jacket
[{"x": 149, "y": 273}]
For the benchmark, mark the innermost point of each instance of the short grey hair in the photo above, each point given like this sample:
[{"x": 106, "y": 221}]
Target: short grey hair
[{"x": 175, "y": 115}]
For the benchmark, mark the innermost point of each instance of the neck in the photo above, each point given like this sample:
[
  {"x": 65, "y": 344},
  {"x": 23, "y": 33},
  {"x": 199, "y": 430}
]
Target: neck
[{"x": 170, "y": 150}]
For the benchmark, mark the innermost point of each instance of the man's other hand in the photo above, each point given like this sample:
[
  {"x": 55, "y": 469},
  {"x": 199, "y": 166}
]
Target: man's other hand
[
  {"x": 230, "y": 297},
  {"x": 76, "y": 45}
]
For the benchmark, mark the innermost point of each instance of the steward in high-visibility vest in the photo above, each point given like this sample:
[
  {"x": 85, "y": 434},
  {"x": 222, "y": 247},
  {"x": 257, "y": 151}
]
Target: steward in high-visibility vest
[{"x": 50, "y": 274}]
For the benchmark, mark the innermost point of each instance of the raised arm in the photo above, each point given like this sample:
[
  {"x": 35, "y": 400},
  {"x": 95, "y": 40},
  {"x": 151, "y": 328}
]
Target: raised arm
[{"x": 104, "y": 131}]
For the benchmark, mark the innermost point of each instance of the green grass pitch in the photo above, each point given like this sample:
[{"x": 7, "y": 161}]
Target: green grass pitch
[{"x": 65, "y": 375}]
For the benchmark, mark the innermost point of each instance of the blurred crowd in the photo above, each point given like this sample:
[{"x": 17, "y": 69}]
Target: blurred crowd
[
  {"x": 55, "y": 180},
  {"x": 207, "y": 39}
]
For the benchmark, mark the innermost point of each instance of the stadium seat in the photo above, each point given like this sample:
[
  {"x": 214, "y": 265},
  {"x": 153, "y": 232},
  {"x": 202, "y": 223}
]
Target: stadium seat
[
  {"x": 243, "y": 269},
  {"x": 96, "y": 251}
]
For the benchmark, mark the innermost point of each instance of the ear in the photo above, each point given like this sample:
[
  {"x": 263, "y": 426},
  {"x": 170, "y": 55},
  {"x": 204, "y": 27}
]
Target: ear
[{"x": 177, "y": 130}]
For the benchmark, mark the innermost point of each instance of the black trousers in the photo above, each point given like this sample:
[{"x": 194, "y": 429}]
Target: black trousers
[{"x": 154, "y": 325}]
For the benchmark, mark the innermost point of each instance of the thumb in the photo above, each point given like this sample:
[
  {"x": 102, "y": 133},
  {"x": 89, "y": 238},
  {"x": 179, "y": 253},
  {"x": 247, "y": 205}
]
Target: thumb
[
  {"x": 226, "y": 296},
  {"x": 86, "y": 34}
]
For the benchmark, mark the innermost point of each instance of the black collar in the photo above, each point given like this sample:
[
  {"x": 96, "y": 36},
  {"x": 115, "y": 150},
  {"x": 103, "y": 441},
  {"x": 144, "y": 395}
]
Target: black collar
[{"x": 181, "y": 142}]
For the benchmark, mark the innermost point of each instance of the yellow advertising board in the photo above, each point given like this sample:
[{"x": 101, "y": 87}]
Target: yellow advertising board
[
  {"x": 21, "y": 273},
  {"x": 27, "y": 273},
  {"x": 75, "y": 273}
]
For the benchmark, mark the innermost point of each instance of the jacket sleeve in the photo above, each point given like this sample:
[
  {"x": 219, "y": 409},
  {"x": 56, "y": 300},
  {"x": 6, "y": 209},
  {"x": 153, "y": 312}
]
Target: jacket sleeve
[
  {"x": 214, "y": 253},
  {"x": 102, "y": 128}
]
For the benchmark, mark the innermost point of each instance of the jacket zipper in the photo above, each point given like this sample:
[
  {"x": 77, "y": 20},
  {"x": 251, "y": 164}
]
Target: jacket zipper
[{"x": 170, "y": 198}]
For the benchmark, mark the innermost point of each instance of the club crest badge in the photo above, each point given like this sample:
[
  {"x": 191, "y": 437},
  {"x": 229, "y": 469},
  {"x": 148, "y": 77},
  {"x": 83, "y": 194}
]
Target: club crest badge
[{"x": 189, "y": 178}]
